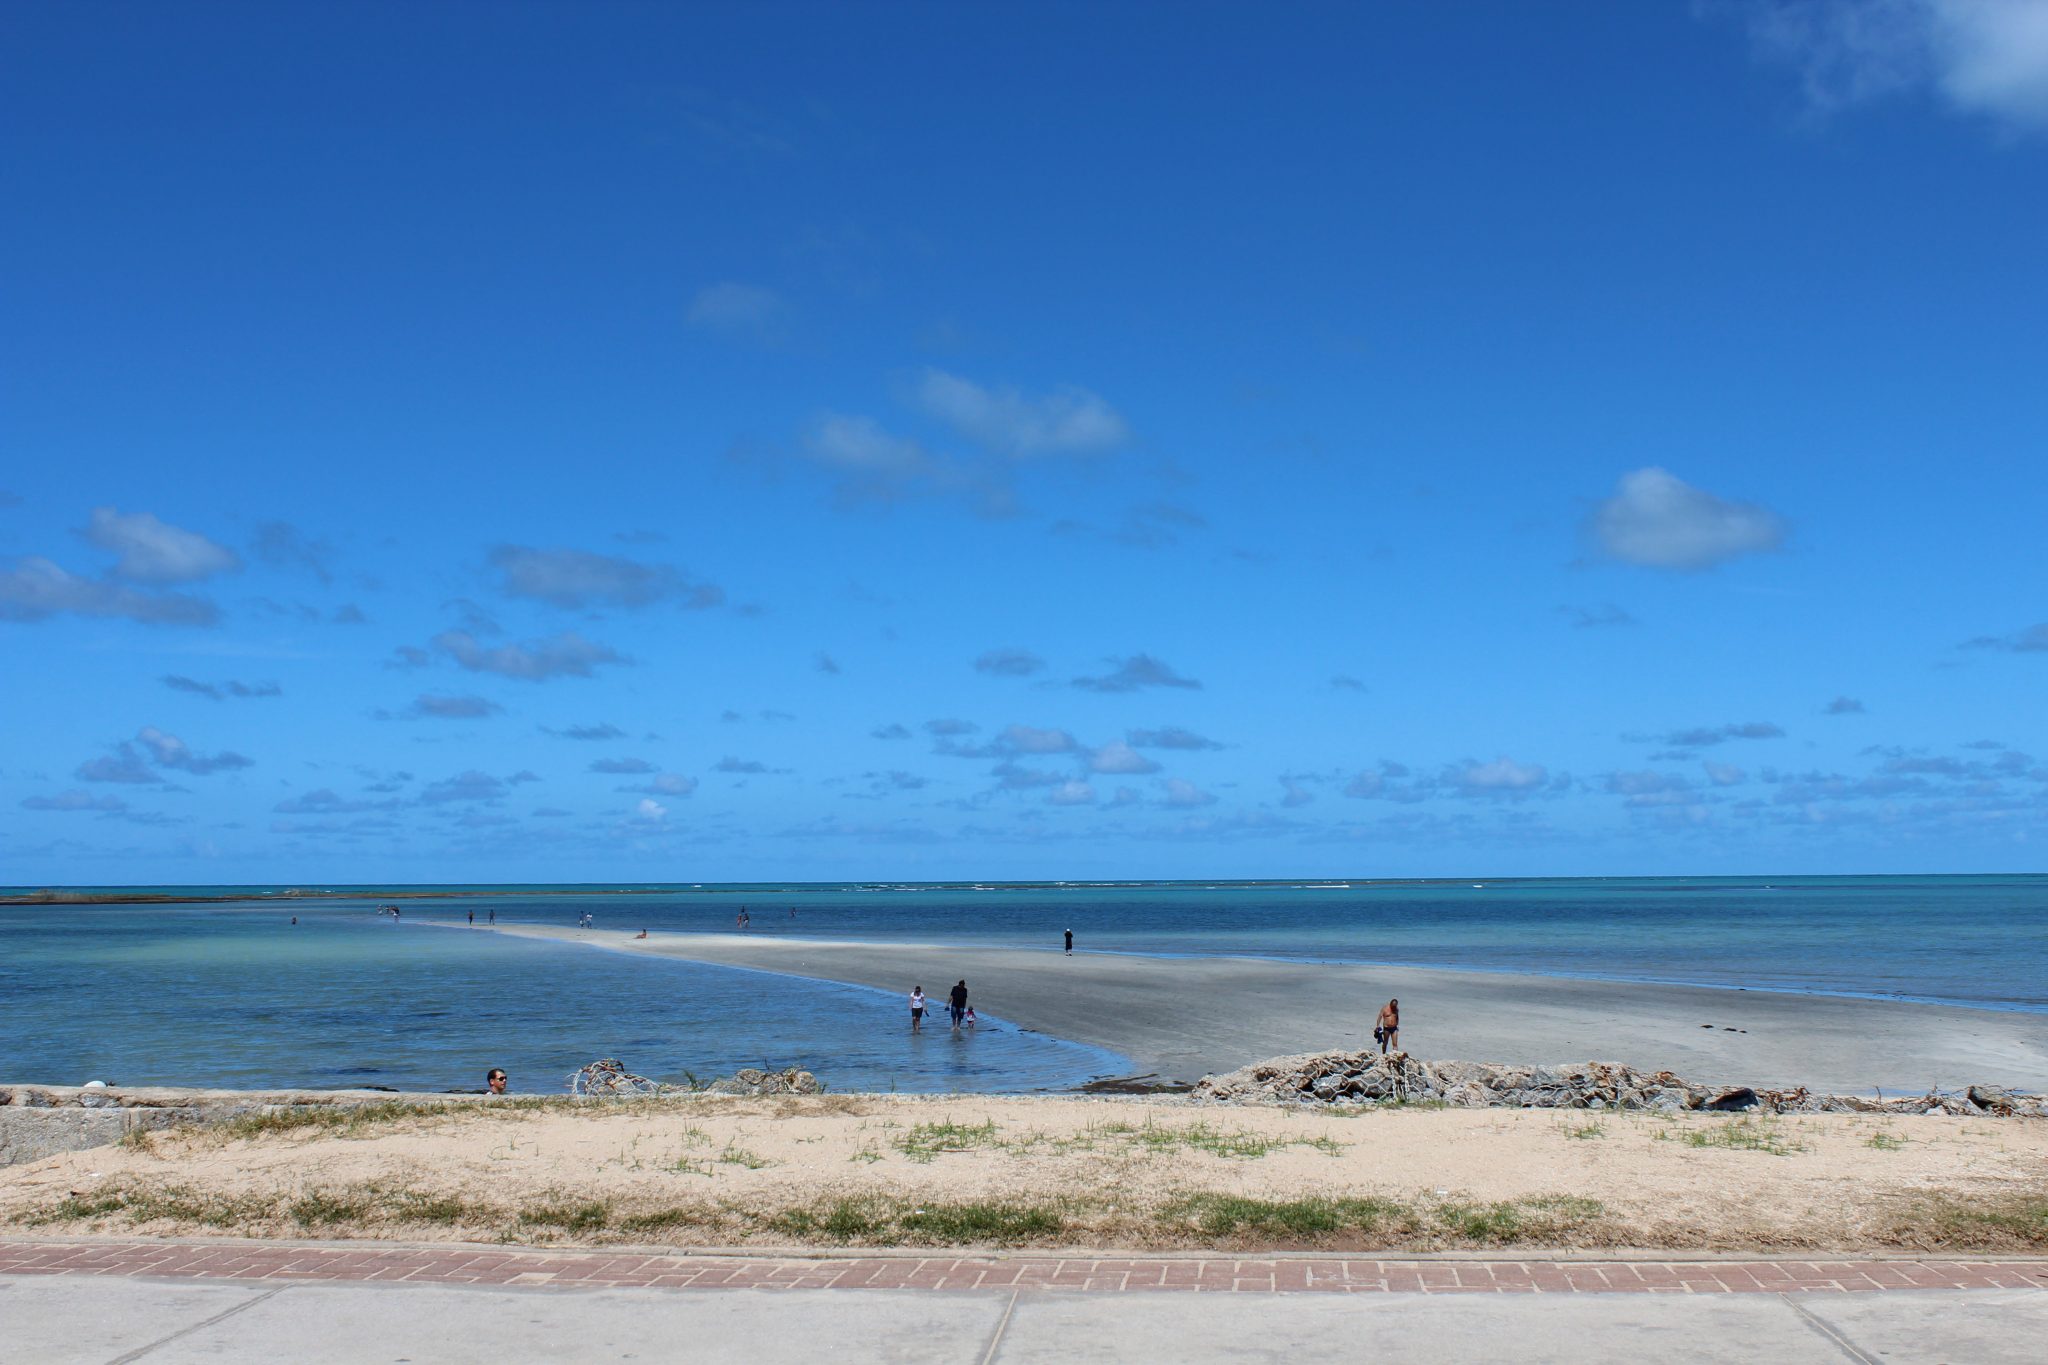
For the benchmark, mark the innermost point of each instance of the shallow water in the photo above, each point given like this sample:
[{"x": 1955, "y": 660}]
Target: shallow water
[
  {"x": 218, "y": 996},
  {"x": 233, "y": 994}
]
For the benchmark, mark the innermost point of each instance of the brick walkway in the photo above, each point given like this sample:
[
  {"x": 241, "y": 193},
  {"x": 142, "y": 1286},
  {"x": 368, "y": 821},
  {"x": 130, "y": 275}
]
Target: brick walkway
[{"x": 461, "y": 1264}]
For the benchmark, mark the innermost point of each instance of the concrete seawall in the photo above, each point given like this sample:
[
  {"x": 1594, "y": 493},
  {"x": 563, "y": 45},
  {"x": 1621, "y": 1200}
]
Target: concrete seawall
[{"x": 42, "y": 1120}]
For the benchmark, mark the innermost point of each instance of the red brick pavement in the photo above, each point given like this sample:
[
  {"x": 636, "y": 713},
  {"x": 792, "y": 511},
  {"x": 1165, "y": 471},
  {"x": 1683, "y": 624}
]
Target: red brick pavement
[{"x": 592, "y": 1269}]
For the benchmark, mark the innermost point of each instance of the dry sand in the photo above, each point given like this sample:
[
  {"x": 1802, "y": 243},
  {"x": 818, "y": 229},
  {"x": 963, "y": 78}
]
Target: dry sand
[
  {"x": 1182, "y": 1018},
  {"x": 717, "y": 1170}
]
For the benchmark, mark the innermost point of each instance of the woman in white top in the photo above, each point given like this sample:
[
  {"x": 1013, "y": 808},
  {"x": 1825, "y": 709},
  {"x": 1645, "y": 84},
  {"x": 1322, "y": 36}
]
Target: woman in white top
[{"x": 916, "y": 1009}]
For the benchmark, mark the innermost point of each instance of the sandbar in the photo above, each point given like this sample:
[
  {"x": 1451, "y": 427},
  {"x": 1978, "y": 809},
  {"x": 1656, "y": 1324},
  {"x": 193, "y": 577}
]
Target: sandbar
[{"x": 1180, "y": 1018}]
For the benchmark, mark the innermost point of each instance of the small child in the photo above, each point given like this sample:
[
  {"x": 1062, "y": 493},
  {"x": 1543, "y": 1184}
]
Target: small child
[{"x": 969, "y": 1021}]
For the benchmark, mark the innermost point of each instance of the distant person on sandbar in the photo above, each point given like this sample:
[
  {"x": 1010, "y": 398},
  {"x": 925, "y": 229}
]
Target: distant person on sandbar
[
  {"x": 1387, "y": 1031},
  {"x": 958, "y": 998},
  {"x": 472, "y": 919},
  {"x": 493, "y": 919},
  {"x": 641, "y": 934},
  {"x": 917, "y": 1009},
  {"x": 1070, "y": 943},
  {"x": 496, "y": 1081}
]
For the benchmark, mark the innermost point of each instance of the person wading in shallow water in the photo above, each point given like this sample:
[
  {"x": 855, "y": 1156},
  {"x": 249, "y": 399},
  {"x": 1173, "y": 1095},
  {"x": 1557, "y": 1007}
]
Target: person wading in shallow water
[
  {"x": 958, "y": 998},
  {"x": 1387, "y": 1032}
]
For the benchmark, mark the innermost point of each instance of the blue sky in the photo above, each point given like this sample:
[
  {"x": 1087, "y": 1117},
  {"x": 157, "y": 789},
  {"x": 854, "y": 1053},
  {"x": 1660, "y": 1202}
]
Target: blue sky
[{"x": 536, "y": 442}]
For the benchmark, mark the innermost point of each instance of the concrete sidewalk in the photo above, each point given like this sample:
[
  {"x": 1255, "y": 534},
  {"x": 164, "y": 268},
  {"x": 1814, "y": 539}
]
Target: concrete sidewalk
[{"x": 112, "y": 1320}]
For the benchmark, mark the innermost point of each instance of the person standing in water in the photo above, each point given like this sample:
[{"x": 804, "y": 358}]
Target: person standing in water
[
  {"x": 958, "y": 999},
  {"x": 1388, "y": 1030},
  {"x": 493, "y": 917},
  {"x": 917, "y": 1009},
  {"x": 1070, "y": 943},
  {"x": 472, "y": 919}
]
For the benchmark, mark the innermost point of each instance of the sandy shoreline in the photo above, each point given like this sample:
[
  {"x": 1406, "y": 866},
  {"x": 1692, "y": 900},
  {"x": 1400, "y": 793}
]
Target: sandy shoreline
[
  {"x": 708, "y": 1170},
  {"x": 1181, "y": 1018}
]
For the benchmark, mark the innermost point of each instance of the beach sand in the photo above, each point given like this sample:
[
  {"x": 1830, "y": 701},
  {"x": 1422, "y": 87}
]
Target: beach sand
[
  {"x": 1182, "y": 1018},
  {"x": 1079, "y": 1171}
]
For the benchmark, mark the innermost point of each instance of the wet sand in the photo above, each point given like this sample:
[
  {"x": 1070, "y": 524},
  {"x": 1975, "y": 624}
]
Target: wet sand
[{"x": 1181, "y": 1018}]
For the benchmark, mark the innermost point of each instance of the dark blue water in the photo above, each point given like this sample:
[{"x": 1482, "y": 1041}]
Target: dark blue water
[{"x": 233, "y": 995}]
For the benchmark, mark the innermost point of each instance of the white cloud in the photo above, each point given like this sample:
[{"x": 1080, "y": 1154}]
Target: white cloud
[
  {"x": 35, "y": 589},
  {"x": 75, "y": 801},
  {"x": 1660, "y": 521},
  {"x": 1502, "y": 777},
  {"x": 171, "y": 752},
  {"x": 1140, "y": 670},
  {"x": 1067, "y": 421},
  {"x": 1120, "y": 758},
  {"x": 738, "y": 309},
  {"x": 1986, "y": 57},
  {"x": 1170, "y": 737},
  {"x": 470, "y": 785},
  {"x": 1724, "y": 774},
  {"x": 565, "y": 655},
  {"x": 153, "y": 551},
  {"x": 125, "y": 764},
  {"x": 430, "y": 706},
  {"x": 650, "y": 811},
  {"x": 859, "y": 446},
  {"x": 1009, "y": 663},
  {"x": 1184, "y": 794},
  {"x": 578, "y": 578},
  {"x": 1072, "y": 794},
  {"x": 1029, "y": 739}
]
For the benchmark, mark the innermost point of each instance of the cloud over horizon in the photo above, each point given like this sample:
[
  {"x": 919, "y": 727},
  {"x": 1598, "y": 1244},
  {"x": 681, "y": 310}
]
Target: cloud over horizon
[{"x": 1657, "y": 520}]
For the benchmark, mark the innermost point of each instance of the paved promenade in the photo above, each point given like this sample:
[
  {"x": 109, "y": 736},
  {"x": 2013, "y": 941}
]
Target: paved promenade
[{"x": 106, "y": 1301}]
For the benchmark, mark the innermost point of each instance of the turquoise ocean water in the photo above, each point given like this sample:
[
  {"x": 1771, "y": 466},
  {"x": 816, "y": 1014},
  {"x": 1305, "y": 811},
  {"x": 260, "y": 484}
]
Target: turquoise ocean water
[{"x": 231, "y": 993}]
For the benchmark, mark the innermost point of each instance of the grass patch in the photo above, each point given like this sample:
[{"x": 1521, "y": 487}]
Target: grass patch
[
  {"x": 1988, "y": 1222},
  {"x": 1509, "y": 1221},
  {"x": 446, "y": 1210},
  {"x": 157, "y": 1203},
  {"x": 927, "y": 1140},
  {"x": 346, "y": 1120},
  {"x": 1584, "y": 1131},
  {"x": 1745, "y": 1135},
  {"x": 1885, "y": 1142},
  {"x": 666, "y": 1220},
  {"x": 591, "y": 1216},
  {"x": 321, "y": 1208},
  {"x": 872, "y": 1219},
  {"x": 740, "y": 1156},
  {"x": 1217, "y": 1216}
]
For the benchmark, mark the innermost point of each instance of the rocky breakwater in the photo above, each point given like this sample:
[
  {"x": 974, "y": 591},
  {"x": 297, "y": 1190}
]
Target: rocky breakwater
[{"x": 1364, "y": 1078}]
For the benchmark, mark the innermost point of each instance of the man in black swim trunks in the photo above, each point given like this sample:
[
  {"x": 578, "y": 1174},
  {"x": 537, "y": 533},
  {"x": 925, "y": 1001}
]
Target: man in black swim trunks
[{"x": 958, "y": 1000}]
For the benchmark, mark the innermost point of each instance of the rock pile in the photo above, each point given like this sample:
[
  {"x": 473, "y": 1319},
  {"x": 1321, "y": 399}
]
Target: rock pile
[
  {"x": 1368, "y": 1078},
  {"x": 752, "y": 1081}
]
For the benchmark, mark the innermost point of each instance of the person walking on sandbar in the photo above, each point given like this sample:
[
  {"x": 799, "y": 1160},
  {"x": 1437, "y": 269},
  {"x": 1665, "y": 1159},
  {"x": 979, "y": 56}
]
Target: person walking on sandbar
[
  {"x": 1070, "y": 943},
  {"x": 1387, "y": 1032},
  {"x": 958, "y": 999}
]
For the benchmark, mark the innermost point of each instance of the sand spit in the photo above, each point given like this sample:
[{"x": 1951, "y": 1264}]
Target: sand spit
[{"x": 1183, "y": 1018}]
